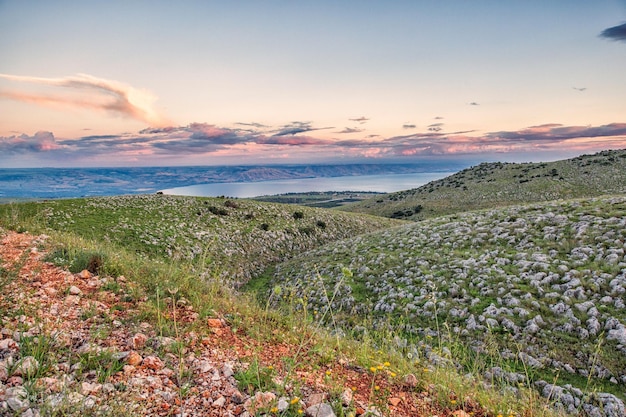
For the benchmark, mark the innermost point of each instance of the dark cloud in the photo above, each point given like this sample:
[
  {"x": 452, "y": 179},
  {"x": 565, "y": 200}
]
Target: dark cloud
[
  {"x": 294, "y": 128},
  {"x": 581, "y": 89},
  {"x": 438, "y": 118},
  {"x": 290, "y": 140},
  {"x": 350, "y": 130},
  {"x": 256, "y": 125},
  {"x": 154, "y": 130},
  {"x": 408, "y": 126},
  {"x": 473, "y": 103},
  {"x": 202, "y": 139},
  {"x": 39, "y": 142},
  {"x": 557, "y": 132},
  {"x": 359, "y": 119},
  {"x": 435, "y": 127},
  {"x": 615, "y": 33},
  {"x": 205, "y": 133}
]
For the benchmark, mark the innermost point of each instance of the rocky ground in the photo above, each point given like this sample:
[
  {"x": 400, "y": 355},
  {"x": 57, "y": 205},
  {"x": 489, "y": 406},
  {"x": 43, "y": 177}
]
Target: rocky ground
[
  {"x": 545, "y": 282},
  {"x": 76, "y": 344}
]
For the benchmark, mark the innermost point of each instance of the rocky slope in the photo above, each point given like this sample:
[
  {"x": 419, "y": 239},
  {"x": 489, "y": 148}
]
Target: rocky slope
[
  {"x": 539, "y": 289},
  {"x": 80, "y": 344},
  {"x": 235, "y": 239},
  {"x": 496, "y": 184}
]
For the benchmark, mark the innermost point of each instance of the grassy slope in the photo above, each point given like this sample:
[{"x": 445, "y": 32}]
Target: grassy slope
[
  {"x": 157, "y": 227},
  {"x": 429, "y": 280},
  {"x": 235, "y": 239},
  {"x": 500, "y": 184}
]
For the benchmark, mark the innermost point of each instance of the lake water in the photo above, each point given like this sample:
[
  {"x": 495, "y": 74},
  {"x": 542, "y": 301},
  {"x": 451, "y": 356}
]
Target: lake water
[{"x": 379, "y": 183}]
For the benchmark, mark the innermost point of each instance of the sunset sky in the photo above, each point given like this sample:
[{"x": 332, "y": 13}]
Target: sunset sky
[{"x": 125, "y": 83}]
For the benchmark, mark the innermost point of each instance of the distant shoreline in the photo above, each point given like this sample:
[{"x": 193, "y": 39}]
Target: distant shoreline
[{"x": 54, "y": 183}]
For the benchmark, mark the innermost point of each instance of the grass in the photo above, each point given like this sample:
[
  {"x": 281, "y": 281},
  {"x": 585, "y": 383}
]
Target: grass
[
  {"x": 439, "y": 272},
  {"x": 496, "y": 184},
  {"x": 319, "y": 341},
  {"x": 240, "y": 241}
]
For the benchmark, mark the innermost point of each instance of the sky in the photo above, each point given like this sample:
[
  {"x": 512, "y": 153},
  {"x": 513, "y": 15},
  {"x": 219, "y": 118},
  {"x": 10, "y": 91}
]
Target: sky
[{"x": 151, "y": 83}]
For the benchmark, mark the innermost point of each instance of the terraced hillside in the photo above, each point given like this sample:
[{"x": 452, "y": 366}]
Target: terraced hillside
[
  {"x": 237, "y": 239},
  {"x": 524, "y": 294},
  {"x": 500, "y": 184}
]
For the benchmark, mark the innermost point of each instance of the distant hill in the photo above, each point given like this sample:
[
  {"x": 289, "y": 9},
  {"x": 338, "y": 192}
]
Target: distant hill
[{"x": 497, "y": 184}]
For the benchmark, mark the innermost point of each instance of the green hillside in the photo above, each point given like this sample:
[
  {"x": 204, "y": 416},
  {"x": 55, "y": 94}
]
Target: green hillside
[
  {"x": 233, "y": 239},
  {"x": 497, "y": 184},
  {"x": 505, "y": 310},
  {"x": 529, "y": 294}
]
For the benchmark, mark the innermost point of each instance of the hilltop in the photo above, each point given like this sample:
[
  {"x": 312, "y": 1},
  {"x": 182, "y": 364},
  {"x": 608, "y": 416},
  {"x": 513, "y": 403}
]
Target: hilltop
[{"x": 497, "y": 184}]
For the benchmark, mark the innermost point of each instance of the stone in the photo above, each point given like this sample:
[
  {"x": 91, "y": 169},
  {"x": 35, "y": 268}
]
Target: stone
[
  {"x": 214, "y": 323},
  {"x": 84, "y": 274},
  {"x": 153, "y": 362},
  {"x": 347, "y": 397},
  {"x": 320, "y": 410},
  {"x": 394, "y": 401},
  {"x": 260, "y": 401},
  {"x": 460, "y": 413},
  {"x": 411, "y": 381},
  {"x": 137, "y": 341},
  {"x": 88, "y": 388},
  {"x": 8, "y": 344},
  {"x": 204, "y": 366},
  {"x": 134, "y": 358},
  {"x": 283, "y": 404},
  {"x": 227, "y": 370},
  {"x": 17, "y": 399},
  {"x": 26, "y": 367},
  {"x": 219, "y": 402},
  {"x": 74, "y": 290},
  {"x": 316, "y": 398}
]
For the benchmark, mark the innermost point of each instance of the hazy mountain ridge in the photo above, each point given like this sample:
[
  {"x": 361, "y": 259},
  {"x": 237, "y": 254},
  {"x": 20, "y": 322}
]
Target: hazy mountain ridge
[
  {"x": 81, "y": 182},
  {"x": 497, "y": 184}
]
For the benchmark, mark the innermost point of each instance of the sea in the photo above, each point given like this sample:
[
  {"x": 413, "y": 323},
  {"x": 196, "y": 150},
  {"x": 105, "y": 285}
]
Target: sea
[
  {"x": 377, "y": 183},
  {"x": 231, "y": 181}
]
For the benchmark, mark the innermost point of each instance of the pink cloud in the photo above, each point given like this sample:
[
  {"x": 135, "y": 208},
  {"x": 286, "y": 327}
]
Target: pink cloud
[{"x": 86, "y": 91}]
